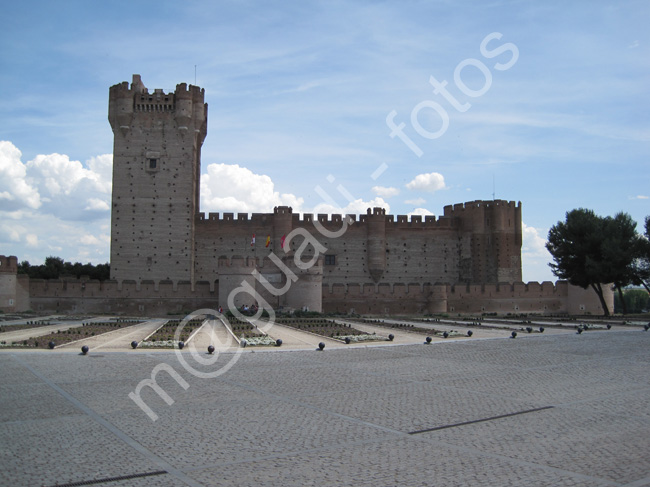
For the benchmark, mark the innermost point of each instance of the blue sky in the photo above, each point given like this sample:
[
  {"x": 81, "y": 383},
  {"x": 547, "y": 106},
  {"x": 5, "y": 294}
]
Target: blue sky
[{"x": 299, "y": 93}]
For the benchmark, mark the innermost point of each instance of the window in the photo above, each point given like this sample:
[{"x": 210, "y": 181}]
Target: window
[
  {"x": 153, "y": 163},
  {"x": 330, "y": 259}
]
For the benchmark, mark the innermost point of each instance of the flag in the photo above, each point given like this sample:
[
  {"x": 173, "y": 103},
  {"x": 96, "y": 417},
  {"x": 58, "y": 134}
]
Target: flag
[
  {"x": 253, "y": 240},
  {"x": 282, "y": 241},
  {"x": 268, "y": 240}
]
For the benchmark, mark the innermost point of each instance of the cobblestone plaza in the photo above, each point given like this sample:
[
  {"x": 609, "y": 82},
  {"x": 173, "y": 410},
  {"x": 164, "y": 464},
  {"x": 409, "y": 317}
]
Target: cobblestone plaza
[{"x": 543, "y": 410}]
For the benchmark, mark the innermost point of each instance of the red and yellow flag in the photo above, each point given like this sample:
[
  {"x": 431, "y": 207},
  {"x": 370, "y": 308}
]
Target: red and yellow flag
[{"x": 268, "y": 240}]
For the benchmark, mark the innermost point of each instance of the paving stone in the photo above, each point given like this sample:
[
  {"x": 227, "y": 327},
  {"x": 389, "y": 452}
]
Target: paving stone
[{"x": 552, "y": 410}]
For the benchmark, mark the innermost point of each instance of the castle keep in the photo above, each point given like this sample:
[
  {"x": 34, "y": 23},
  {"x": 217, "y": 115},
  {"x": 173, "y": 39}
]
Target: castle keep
[{"x": 167, "y": 256}]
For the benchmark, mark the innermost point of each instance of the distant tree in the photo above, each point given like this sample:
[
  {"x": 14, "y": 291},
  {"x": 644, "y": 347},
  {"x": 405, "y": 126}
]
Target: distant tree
[
  {"x": 589, "y": 250},
  {"x": 620, "y": 247},
  {"x": 636, "y": 301},
  {"x": 641, "y": 266},
  {"x": 55, "y": 267}
]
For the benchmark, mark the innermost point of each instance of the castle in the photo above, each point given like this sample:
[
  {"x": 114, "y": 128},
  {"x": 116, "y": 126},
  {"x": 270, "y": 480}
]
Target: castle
[{"x": 168, "y": 256}]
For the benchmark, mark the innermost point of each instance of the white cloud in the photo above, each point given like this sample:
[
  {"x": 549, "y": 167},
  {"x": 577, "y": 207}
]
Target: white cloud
[
  {"x": 56, "y": 175},
  {"x": 15, "y": 190},
  {"x": 534, "y": 256},
  {"x": 229, "y": 187},
  {"x": 356, "y": 207},
  {"x": 532, "y": 243},
  {"x": 420, "y": 211},
  {"x": 89, "y": 240},
  {"x": 54, "y": 184},
  {"x": 639, "y": 197},
  {"x": 416, "y": 201},
  {"x": 430, "y": 182},
  {"x": 97, "y": 204},
  {"x": 385, "y": 192},
  {"x": 39, "y": 198}
]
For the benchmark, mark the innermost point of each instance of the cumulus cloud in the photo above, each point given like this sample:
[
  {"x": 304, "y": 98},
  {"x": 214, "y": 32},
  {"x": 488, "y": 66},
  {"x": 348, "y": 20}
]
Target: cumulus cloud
[
  {"x": 71, "y": 190},
  {"x": 532, "y": 243},
  {"x": 534, "y": 255},
  {"x": 356, "y": 207},
  {"x": 15, "y": 191},
  {"x": 42, "y": 201},
  {"x": 385, "y": 192},
  {"x": 54, "y": 184},
  {"x": 95, "y": 204},
  {"x": 429, "y": 182},
  {"x": 229, "y": 187},
  {"x": 32, "y": 240},
  {"x": 420, "y": 211},
  {"x": 416, "y": 201}
]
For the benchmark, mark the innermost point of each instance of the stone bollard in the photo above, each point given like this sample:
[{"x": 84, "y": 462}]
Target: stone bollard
[
  {"x": 529, "y": 329},
  {"x": 513, "y": 334},
  {"x": 445, "y": 335},
  {"x": 427, "y": 340},
  {"x": 541, "y": 329},
  {"x": 469, "y": 333},
  {"x": 134, "y": 344},
  {"x": 321, "y": 346},
  {"x": 84, "y": 349},
  {"x": 51, "y": 345},
  {"x": 391, "y": 337},
  {"x": 181, "y": 345},
  {"x": 210, "y": 349},
  {"x": 347, "y": 340},
  {"x": 278, "y": 342}
]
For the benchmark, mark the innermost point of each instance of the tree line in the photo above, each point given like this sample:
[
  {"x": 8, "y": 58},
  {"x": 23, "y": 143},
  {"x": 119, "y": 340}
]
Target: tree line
[
  {"x": 55, "y": 267},
  {"x": 593, "y": 251}
]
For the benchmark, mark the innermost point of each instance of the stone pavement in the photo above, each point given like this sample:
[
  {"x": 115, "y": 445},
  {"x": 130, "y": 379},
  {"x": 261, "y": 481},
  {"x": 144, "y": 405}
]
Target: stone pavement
[{"x": 539, "y": 410}]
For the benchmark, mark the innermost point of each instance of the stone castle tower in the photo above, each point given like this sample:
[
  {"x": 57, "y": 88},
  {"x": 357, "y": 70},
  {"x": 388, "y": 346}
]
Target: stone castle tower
[{"x": 156, "y": 179}]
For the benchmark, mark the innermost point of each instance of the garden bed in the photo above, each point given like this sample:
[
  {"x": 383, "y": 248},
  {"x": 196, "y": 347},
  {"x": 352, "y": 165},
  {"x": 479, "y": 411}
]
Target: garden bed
[
  {"x": 164, "y": 337},
  {"x": 86, "y": 330},
  {"x": 323, "y": 327}
]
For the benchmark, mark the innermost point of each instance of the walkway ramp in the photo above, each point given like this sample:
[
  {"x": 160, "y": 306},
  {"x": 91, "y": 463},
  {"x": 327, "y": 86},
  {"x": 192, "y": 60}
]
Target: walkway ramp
[
  {"x": 119, "y": 339},
  {"x": 212, "y": 332}
]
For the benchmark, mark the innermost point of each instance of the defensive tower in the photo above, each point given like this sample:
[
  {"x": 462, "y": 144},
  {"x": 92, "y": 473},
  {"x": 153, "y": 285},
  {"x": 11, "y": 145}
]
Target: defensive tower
[{"x": 156, "y": 170}]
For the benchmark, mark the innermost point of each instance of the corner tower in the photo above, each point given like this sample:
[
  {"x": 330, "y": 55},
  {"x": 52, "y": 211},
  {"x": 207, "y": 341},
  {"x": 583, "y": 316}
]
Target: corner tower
[
  {"x": 490, "y": 237},
  {"x": 156, "y": 177}
]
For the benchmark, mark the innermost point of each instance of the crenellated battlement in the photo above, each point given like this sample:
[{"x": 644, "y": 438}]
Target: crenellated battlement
[
  {"x": 301, "y": 219},
  {"x": 186, "y": 104},
  {"x": 8, "y": 264},
  {"x": 481, "y": 205}
]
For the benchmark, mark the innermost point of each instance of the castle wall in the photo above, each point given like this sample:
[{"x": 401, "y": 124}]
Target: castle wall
[
  {"x": 8, "y": 284},
  {"x": 287, "y": 285},
  {"x": 126, "y": 298},
  {"x": 516, "y": 298},
  {"x": 379, "y": 248}
]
